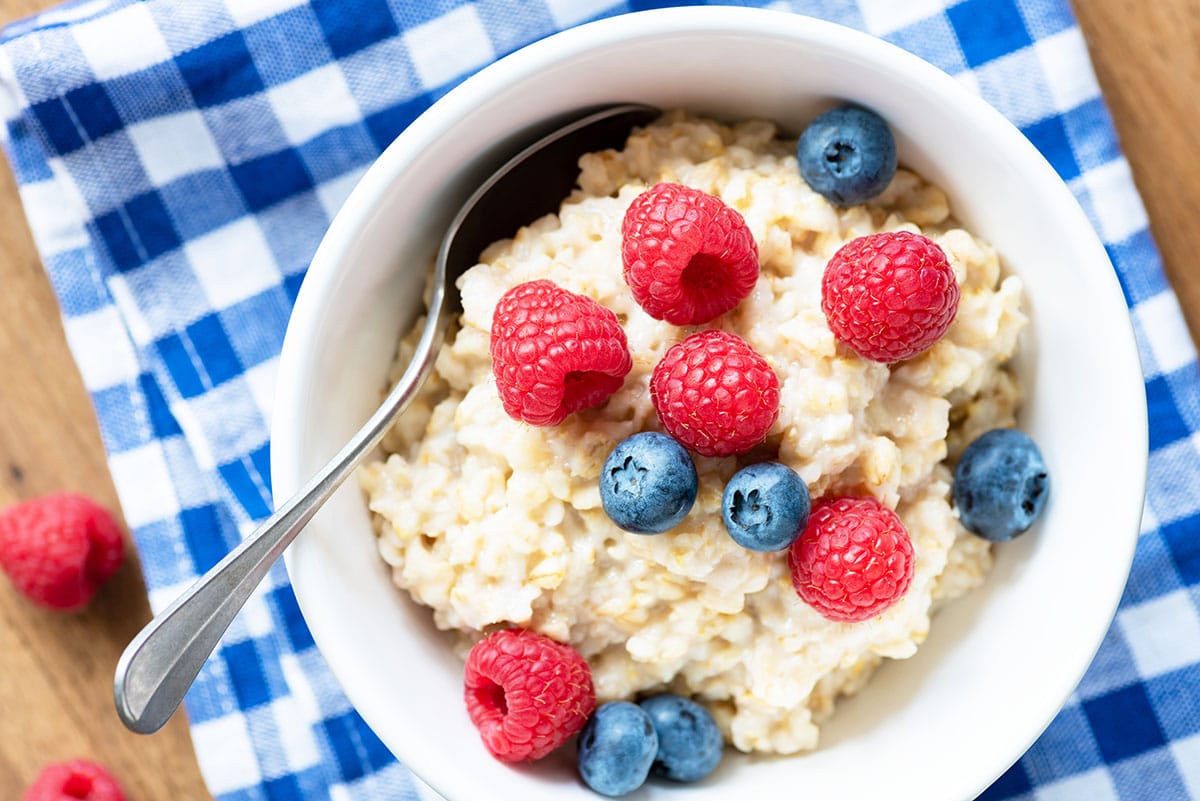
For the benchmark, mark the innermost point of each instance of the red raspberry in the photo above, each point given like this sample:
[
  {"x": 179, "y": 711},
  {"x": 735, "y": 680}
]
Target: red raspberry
[
  {"x": 555, "y": 352},
  {"x": 853, "y": 560},
  {"x": 715, "y": 394},
  {"x": 59, "y": 549},
  {"x": 889, "y": 296},
  {"x": 526, "y": 693},
  {"x": 688, "y": 257},
  {"x": 77, "y": 780}
]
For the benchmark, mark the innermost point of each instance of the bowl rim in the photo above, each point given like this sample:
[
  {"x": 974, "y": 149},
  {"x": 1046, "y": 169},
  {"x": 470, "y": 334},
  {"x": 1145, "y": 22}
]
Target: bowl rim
[{"x": 451, "y": 108}]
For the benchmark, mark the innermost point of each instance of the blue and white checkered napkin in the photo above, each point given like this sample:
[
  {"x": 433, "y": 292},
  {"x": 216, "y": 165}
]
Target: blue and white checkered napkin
[{"x": 179, "y": 161}]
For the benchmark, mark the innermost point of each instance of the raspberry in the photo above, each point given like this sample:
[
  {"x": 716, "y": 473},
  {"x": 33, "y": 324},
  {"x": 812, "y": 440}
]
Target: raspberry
[
  {"x": 526, "y": 693},
  {"x": 889, "y": 296},
  {"x": 854, "y": 559},
  {"x": 77, "y": 780},
  {"x": 688, "y": 257},
  {"x": 715, "y": 394},
  {"x": 59, "y": 549},
  {"x": 555, "y": 352}
]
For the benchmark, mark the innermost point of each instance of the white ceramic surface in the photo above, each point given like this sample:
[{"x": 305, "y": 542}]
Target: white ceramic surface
[{"x": 998, "y": 663}]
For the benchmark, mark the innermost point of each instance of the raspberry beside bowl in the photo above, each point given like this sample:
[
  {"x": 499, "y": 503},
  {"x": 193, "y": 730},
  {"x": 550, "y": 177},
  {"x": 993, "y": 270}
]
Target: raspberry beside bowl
[{"x": 998, "y": 663}]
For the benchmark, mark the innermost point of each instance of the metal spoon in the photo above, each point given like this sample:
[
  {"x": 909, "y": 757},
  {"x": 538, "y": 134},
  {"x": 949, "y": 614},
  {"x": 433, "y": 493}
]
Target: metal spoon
[{"x": 162, "y": 661}]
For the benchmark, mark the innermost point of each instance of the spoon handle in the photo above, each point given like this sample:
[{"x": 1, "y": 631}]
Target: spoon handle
[{"x": 161, "y": 662}]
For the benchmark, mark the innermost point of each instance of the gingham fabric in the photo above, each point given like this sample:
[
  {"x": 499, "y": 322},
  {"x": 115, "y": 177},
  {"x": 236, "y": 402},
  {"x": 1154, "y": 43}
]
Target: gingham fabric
[{"x": 179, "y": 160}]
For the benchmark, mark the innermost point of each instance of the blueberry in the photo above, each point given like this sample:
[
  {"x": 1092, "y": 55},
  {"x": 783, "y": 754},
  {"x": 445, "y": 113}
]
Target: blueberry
[
  {"x": 616, "y": 748},
  {"x": 765, "y": 506},
  {"x": 847, "y": 155},
  {"x": 1000, "y": 484},
  {"x": 648, "y": 483},
  {"x": 689, "y": 742}
]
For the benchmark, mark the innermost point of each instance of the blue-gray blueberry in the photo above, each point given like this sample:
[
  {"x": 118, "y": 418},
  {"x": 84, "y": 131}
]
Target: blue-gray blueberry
[
  {"x": 765, "y": 506},
  {"x": 1000, "y": 484},
  {"x": 648, "y": 483},
  {"x": 689, "y": 742},
  {"x": 616, "y": 748},
  {"x": 847, "y": 155}
]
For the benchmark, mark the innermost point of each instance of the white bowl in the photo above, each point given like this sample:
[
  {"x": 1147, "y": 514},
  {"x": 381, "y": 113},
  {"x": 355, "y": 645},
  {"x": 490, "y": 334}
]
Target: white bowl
[{"x": 998, "y": 664}]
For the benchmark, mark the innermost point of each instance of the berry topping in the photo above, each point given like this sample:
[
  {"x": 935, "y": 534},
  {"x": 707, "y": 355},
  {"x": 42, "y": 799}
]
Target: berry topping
[
  {"x": 889, "y": 296},
  {"x": 847, "y": 155},
  {"x": 1000, "y": 484},
  {"x": 688, "y": 257},
  {"x": 689, "y": 742},
  {"x": 555, "y": 352},
  {"x": 715, "y": 394},
  {"x": 648, "y": 483},
  {"x": 77, "y": 780},
  {"x": 526, "y": 693},
  {"x": 854, "y": 559},
  {"x": 616, "y": 748},
  {"x": 765, "y": 506},
  {"x": 58, "y": 549}
]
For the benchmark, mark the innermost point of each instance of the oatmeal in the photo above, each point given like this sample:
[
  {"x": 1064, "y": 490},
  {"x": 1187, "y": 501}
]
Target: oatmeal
[{"x": 491, "y": 522}]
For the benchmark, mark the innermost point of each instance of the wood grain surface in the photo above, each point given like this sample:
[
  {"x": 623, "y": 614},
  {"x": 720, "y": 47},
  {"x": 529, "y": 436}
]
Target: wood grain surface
[{"x": 56, "y": 671}]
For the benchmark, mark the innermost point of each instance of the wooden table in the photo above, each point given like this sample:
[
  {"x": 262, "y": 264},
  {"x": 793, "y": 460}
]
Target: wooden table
[{"x": 56, "y": 672}]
